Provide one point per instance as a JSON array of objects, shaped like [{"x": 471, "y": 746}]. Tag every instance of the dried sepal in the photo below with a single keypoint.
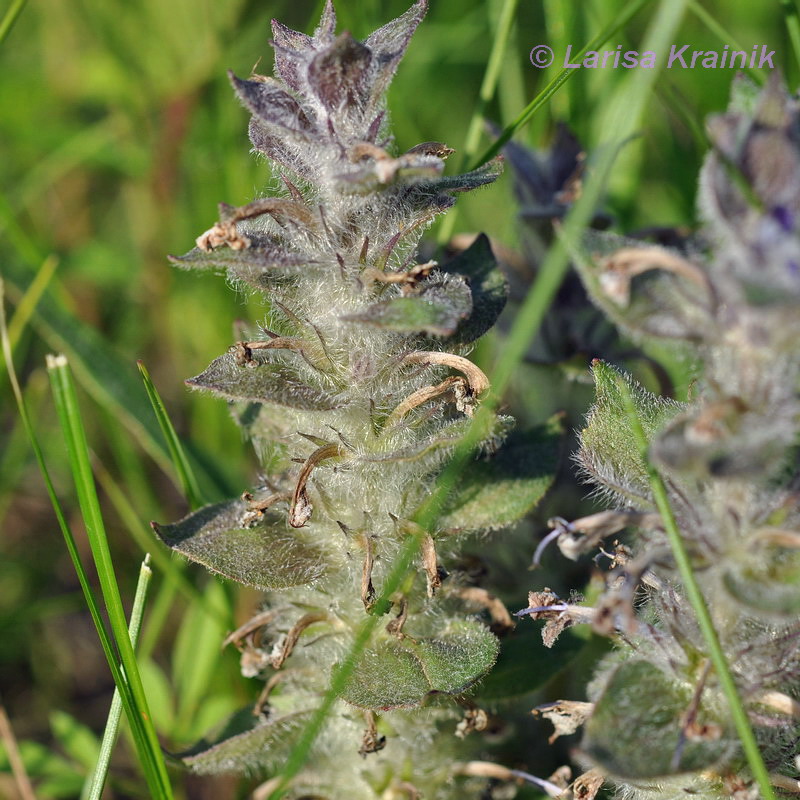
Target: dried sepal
[{"x": 567, "y": 716}]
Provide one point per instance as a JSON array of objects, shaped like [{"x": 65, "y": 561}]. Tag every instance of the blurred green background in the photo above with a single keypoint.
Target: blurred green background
[{"x": 119, "y": 135}]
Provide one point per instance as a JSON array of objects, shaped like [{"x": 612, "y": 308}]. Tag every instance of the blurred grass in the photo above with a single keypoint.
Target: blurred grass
[{"x": 119, "y": 137}]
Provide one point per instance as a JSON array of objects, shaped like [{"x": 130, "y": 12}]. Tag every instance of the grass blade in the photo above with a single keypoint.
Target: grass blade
[
  {"x": 758, "y": 75},
  {"x": 30, "y": 299},
  {"x": 181, "y": 463},
  {"x": 695, "y": 595},
  {"x": 97, "y": 366},
  {"x": 792, "y": 19},
  {"x": 142, "y": 534},
  {"x": 98, "y": 777},
  {"x": 72, "y": 548},
  {"x": 10, "y": 18},
  {"x": 595, "y": 44},
  {"x": 75, "y": 438},
  {"x": 488, "y": 86}
]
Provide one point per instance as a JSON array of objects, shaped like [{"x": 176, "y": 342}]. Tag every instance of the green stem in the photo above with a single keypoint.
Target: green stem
[
  {"x": 697, "y": 600},
  {"x": 98, "y": 777}
]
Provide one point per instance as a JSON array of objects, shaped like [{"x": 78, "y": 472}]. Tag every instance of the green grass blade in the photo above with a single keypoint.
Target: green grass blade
[
  {"x": 69, "y": 539},
  {"x": 142, "y": 534},
  {"x": 10, "y": 17},
  {"x": 100, "y": 370},
  {"x": 181, "y": 463},
  {"x": 695, "y": 595},
  {"x": 792, "y": 19},
  {"x": 488, "y": 86},
  {"x": 758, "y": 75},
  {"x": 30, "y": 299},
  {"x": 97, "y": 780},
  {"x": 624, "y": 17},
  {"x": 66, "y": 403}
]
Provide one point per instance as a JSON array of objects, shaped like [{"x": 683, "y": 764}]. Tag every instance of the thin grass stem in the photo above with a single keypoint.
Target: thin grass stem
[
  {"x": 792, "y": 20},
  {"x": 697, "y": 600},
  {"x": 10, "y": 17},
  {"x": 758, "y": 75},
  {"x": 524, "y": 117},
  {"x": 72, "y": 549},
  {"x": 100, "y": 773},
  {"x": 66, "y": 403},
  {"x": 485, "y": 95},
  {"x": 183, "y": 468}
]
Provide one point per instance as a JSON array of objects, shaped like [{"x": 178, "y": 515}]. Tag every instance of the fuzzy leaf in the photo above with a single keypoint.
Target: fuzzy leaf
[
  {"x": 339, "y": 74},
  {"x": 498, "y": 491},
  {"x": 487, "y": 285},
  {"x": 641, "y": 705},
  {"x": 401, "y": 673},
  {"x": 487, "y": 173},
  {"x": 266, "y": 140},
  {"x": 771, "y": 587},
  {"x": 261, "y": 382},
  {"x": 445, "y": 437},
  {"x": 388, "y": 45},
  {"x": 267, "y": 555},
  {"x": 639, "y": 295},
  {"x": 437, "y": 309},
  {"x": 257, "y": 265},
  {"x": 290, "y": 44},
  {"x": 270, "y": 104},
  {"x": 246, "y": 743},
  {"x": 609, "y": 450}
]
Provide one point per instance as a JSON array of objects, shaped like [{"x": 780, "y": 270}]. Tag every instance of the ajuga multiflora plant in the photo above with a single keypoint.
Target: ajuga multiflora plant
[
  {"x": 659, "y": 724},
  {"x": 354, "y": 391}
]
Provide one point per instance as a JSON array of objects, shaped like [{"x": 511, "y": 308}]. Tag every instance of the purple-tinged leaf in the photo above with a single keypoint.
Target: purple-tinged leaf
[
  {"x": 339, "y": 75},
  {"x": 268, "y": 102},
  {"x": 485, "y": 174},
  {"x": 292, "y": 49},
  {"x": 257, "y": 265}
]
